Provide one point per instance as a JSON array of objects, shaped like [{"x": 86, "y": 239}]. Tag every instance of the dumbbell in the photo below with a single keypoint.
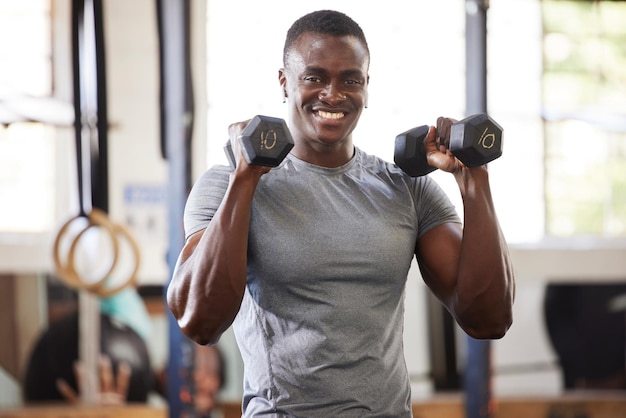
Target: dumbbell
[
  {"x": 475, "y": 141},
  {"x": 266, "y": 141}
]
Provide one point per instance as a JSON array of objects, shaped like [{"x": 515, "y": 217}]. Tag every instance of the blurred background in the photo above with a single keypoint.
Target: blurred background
[{"x": 556, "y": 83}]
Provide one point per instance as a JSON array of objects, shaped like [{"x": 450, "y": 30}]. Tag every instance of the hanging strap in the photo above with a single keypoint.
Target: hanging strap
[
  {"x": 90, "y": 103},
  {"x": 100, "y": 158},
  {"x": 77, "y": 36}
]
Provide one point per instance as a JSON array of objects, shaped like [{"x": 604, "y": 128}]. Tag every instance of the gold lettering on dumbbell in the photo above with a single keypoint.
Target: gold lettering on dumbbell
[
  {"x": 487, "y": 140},
  {"x": 268, "y": 139}
]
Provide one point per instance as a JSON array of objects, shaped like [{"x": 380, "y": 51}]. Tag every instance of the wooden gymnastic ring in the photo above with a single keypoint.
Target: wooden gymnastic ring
[
  {"x": 59, "y": 265},
  {"x": 102, "y": 290},
  {"x": 96, "y": 218},
  {"x": 66, "y": 270}
]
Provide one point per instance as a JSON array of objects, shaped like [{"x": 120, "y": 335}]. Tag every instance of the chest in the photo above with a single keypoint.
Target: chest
[{"x": 332, "y": 229}]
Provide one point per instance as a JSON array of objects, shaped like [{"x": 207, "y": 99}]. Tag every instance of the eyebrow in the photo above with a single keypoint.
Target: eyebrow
[{"x": 344, "y": 73}]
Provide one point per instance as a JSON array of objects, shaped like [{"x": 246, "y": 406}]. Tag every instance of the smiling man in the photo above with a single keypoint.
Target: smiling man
[{"x": 308, "y": 260}]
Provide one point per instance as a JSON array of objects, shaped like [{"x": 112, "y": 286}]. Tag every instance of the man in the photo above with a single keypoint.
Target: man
[{"x": 310, "y": 259}]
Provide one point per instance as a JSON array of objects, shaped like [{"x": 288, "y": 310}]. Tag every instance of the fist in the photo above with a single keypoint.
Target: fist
[{"x": 437, "y": 145}]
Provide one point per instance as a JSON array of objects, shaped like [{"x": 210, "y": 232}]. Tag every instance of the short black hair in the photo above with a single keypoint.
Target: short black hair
[{"x": 328, "y": 22}]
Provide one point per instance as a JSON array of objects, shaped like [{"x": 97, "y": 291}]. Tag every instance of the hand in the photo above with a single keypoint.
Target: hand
[
  {"x": 111, "y": 392},
  {"x": 437, "y": 145},
  {"x": 234, "y": 133}
]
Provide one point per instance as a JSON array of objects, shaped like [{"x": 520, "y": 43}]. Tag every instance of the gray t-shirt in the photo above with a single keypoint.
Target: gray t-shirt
[{"x": 320, "y": 328}]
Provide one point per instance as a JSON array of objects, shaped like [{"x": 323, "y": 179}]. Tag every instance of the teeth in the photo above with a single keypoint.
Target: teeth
[{"x": 330, "y": 115}]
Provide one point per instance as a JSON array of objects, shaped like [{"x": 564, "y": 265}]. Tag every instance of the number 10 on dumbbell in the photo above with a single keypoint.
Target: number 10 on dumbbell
[{"x": 266, "y": 141}]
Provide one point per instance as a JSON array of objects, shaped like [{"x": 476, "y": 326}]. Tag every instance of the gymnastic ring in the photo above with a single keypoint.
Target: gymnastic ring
[
  {"x": 102, "y": 290},
  {"x": 100, "y": 219},
  {"x": 96, "y": 218}
]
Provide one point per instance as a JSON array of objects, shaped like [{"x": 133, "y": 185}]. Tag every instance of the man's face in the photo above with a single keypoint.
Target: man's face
[{"x": 325, "y": 80}]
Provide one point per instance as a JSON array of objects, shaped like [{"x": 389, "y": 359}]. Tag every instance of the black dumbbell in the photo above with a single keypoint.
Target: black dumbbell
[
  {"x": 266, "y": 141},
  {"x": 475, "y": 141}
]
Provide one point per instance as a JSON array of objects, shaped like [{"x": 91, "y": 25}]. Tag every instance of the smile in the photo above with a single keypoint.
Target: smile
[{"x": 331, "y": 115}]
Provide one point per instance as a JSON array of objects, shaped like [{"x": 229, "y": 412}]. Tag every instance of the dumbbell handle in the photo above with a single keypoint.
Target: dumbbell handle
[{"x": 228, "y": 150}]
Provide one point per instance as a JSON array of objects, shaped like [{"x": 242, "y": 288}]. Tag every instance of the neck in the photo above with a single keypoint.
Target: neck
[{"x": 323, "y": 155}]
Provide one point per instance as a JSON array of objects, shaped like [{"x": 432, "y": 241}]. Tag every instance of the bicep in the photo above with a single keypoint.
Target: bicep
[{"x": 438, "y": 252}]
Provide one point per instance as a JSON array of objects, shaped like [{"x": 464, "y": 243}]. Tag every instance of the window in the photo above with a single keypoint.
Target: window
[
  {"x": 27, "y": 181},
  {"x": 584, "y": 85}
]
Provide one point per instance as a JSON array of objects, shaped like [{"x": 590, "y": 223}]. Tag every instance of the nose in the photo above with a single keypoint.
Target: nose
[{"x": 332, "y": 94}]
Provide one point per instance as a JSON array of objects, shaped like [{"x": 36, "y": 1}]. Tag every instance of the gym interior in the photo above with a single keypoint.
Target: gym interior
[{"x": 167, "y": 77}]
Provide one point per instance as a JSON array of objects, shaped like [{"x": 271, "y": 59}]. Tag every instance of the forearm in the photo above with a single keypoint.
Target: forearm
[
  {"x": 209, "y": 280},
  {"x": 485, "y": 282}
]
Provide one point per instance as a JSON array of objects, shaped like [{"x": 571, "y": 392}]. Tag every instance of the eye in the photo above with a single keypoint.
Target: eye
[
  {"x": 353, "y": 82},
  {"x": 312, "y": 79}
]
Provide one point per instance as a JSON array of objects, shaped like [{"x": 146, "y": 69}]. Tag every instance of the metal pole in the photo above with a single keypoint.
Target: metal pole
[
  {"x": 476, "y": 56},
  {"x": 477, "y": 379},
  {"x": 176, "y": 127}
]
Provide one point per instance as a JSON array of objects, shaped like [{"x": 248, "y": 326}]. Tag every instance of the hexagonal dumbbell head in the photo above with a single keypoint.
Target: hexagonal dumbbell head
[
  {"x": 266, "y": 141},
  {"x": 410, "y": 153},
  {"x": 476, "y": 140}
]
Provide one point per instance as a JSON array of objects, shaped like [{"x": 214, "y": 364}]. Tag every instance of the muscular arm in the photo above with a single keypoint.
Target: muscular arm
[
  {"x": 209, "y": 279},
  {"x": 469, "y": 268}
]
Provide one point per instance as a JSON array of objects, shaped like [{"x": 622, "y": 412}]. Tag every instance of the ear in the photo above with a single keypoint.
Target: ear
[
  {"x": 282, "y": 79},
  {"x": 367, "y": 91}
]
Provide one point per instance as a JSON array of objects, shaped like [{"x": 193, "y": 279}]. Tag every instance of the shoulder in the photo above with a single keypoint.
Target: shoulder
[
  {"x": 384, "y": 169},
  {"x": 427, "y": 195},
  {"x": 215, "y": 175},
  {"x": 205, "y": 197},
  {"x": 211, "y": 184}
]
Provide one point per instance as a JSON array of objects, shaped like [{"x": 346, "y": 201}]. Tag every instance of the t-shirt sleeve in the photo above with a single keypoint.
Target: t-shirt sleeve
[
  {"x": 204, "y": 199},
  {"x": 434, "y": 206}
]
